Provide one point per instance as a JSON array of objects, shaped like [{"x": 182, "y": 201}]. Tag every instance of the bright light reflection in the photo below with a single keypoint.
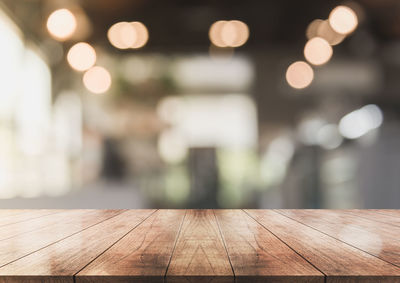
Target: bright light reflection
[
  {"x": 81, "y": 56},
  {"x": 122, "y": 35},
  {"x": 361, "y": 121},
  {"x": 61, "y": 24},
  {"x": 299, "y": 75},
  {"x": 97, "y": 80},
  {"x": 125, "y": 35},
  {"x": 317, "y": 51},
  {"x": 364, "y": 239},
  {"x": 329, "y": 34},
  {"x": 321, "y": 28},
  {"x": 229, "y": 33},
  {"x": 142, "y": 35},
  {"x": 343, "y": 20}
]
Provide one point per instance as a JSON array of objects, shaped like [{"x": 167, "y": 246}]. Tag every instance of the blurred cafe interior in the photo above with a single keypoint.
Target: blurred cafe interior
[{"x": 199, "y": 104}]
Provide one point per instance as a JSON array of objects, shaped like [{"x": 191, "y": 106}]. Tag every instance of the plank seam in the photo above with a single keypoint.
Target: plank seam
[
  {"x": 35, "y": 229},
  {"x": 323, "y": 273},
  {"x": 96, "y": 257},
  {"x": 338, "y": 239},
  {"x": 35, "y": 217},
  {"x": 354, "y": 214},
  {"x": 60, "y": 240},
  {"x": 173, "y": 249},
  {"x": 223, "y": 241}
]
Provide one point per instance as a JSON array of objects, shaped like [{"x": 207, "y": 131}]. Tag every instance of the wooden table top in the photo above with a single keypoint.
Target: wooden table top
[{"x": 199, "y": 246}]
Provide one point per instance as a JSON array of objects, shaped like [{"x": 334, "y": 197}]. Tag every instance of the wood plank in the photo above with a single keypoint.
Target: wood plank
[
  {"x": 36, "y": 223},
  {"x": 375, "y": 216},
  {"x": 337, "y": 260},
  {"x": 199, "y": 255},
  {"x": 65, "y": 258},
  {"x": 142, "y": 255},
  {"x": 376, "y": 238},
  {"x": 393, "y": 212},
  {"x": 26, "y": 215},
  {"x": 257, "y": 255},
  {"x": 24, "y": 244},
  {"x": 8, "y": 212}
]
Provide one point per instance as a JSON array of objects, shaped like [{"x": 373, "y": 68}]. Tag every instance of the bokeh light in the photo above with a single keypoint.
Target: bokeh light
[
  {"x": 97, "y": 80},
  {"x": 81, "y": 56},
  {"x": 317, "y": 51},
  {"x": 313, "y": 27},
  {"x": 121, "y": 35},
  {"x": 329, "y": 136},
  {"x": 142, "y": 35},
  {"x": 229, "y": 33},
  {"x": 321, "y": 28},
  {"x": 343, "y": 19},
  {"x": 172, "y": 146},
  {"x": 124, "y": 35},
  {"x": 61, "y": 24},
  {"x": 299, "y": 75},
  {"x": 215, "y": 33},
  {"x": 361, "y": 121}
]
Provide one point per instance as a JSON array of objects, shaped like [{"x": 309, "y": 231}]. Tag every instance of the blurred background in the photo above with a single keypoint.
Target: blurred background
[{"x": 199, "y": 104}]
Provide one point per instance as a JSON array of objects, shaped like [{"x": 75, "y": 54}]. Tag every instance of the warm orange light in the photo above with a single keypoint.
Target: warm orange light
[
  {"x": 215, "y": 33},
  {"x": 61, "y": 24},
  {"x": 142, "y": 35},
  {"x": 321, "y": 28},
  {"x": 343, "y": 20},
  {"x": 121, "y": 35},
  {"x": 299, "y": 75},
  {"x": 81, "y": 56},
  {"x": 329, "y": 34},
  {"x": 97, "y": 80},
  {"x": 313, "y": 27},
  {"x": 317, "y": 51},
  {"x": 229, "y": 33},
  {"x": 125, "y": 35}
]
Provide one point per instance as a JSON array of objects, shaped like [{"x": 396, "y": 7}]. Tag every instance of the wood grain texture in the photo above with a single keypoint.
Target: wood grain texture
[
  {"x": 24, "y": 244},
  {"x": 143, "y": 254},
  {"x": 256, "y": 254},
  {"x": 375, "y": 216},
  {"x": 26, "y": 216},
  {"x": 199, "y": 246},
  {"x": 8, "y": 212},
  {"x": 393, "y": 212},
  {"x": 62, "y": 260},
  {"x": 377, "y": 238},
  {"x": 200, "y": 253},
  {"x": 337, "y": 260},
  {"x": 39, "y": 223}
]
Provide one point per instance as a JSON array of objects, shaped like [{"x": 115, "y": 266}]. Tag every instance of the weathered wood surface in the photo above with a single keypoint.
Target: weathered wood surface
[{"x": 199, "y": 246}]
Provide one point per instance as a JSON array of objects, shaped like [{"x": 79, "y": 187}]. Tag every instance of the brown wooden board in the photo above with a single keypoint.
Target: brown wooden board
[
  {"x": 200, "y": 253},
  {"x": 379, "y": 239},
  {"x": 142, "y": 255},
  {"x": 23, "y": 244},
  {"x": 62, "y": 260},
  {"x": 339, "y": 261},
  {"x": 256, "y": 254}
]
